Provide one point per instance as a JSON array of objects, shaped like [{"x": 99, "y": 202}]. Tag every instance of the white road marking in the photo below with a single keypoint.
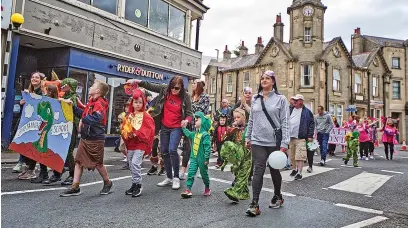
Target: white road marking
[
  {"x": 389, "y": 171},
  {"x": 316, "y": 170},
  {"x": 226, "y": 169},
  {"x": 350, "y": 166},
  {"x": 362, "y": 209},
  {"x": 363, "y": 183},
  {"x": 367, "y": 222},
  {"x": 263, "y": 189},
  {"x": 62, "y": 188}
]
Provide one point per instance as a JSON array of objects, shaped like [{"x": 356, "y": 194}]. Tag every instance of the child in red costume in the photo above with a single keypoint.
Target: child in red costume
[{"x": 138, "y": 133}]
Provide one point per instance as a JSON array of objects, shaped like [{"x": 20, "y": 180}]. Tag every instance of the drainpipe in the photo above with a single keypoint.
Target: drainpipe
[
  {"x": 326, "y": 78},
  {"x": 351, "y": 75},
  {"x": 222, "y": 87},
  {"x": 384, "y": 94},
  {"x": 197, "y": 39},
  {"x": 369, "y": 95},
  {"x": 236, "y": 87}
]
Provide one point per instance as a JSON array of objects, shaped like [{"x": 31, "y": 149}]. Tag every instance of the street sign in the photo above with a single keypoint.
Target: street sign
[{"x": 351, "y": 108}]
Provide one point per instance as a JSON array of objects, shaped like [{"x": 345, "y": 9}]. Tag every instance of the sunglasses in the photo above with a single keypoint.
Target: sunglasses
[{"x": 175, "y": 88}]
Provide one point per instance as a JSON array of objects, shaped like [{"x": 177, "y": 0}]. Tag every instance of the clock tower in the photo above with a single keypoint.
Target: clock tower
[{"x": 306, "y": 24}]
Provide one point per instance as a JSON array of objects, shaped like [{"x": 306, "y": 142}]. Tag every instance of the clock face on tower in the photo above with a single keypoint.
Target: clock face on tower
[{"x": 308, "y": 11}]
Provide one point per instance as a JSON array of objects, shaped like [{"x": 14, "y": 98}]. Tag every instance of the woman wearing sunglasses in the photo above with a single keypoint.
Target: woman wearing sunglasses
[{"x": 173, "y": 110}]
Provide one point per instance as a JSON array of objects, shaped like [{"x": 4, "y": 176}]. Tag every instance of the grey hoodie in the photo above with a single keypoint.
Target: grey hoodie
[{"x": 260, "y": 131}]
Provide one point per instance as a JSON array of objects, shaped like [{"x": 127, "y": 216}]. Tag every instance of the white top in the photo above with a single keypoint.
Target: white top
[{"x": 294, "y": 122}]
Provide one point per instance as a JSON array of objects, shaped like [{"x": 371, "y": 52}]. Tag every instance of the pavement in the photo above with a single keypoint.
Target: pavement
[{"x": 335, "y": 195}]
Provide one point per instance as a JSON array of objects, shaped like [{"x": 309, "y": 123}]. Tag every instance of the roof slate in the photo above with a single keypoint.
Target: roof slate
[
  {"x": 385, "y": 41},
  {"x": 360, "y": 60}
]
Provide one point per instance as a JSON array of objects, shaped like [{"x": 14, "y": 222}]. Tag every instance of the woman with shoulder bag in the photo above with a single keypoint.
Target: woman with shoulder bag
[{"x": 268, "y": 131}]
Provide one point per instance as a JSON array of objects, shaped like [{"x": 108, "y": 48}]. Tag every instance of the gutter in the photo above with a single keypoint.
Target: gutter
[
  {"x": 326, "y": 75},
  {"x": 236, "y": 87}
]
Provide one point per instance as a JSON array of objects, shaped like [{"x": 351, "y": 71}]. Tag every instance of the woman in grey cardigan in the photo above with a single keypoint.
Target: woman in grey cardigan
[{"x": 262, "y": 137}]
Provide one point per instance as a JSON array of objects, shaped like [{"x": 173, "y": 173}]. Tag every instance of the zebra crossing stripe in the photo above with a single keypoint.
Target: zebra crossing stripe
[{"x": 364, "y": 183}]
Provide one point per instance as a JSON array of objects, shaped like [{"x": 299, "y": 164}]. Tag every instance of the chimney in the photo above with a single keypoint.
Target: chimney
[
  {"x": 227, "y": 53},
  {"x": 278, "y": 28},
  {"x": 259, "y": 46},
  {"x": 243, "y": 50},
  {"x": 358, "y": 45}
]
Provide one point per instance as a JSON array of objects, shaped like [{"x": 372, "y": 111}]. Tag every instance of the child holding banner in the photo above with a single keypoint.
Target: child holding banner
[
  {"x": 137, "y": 131},
  {"x": 91, "y": 146}
]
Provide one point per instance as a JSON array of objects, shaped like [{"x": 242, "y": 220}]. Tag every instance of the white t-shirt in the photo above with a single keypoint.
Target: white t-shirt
[{"x": 294, "y": 122}]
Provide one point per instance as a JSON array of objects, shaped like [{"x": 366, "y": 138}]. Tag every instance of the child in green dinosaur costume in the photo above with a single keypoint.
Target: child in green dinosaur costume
[
  {"x": 234, "y": 151},
  {"x": 200, "y": 153},
  {"x": 68, "y": 87},
  {"x": 352, "y": 147}
]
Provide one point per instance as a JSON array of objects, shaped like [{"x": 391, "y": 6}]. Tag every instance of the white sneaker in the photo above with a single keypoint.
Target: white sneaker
[
  {"x": 309, "y": 170},
  {"x": 366, "y": 158},
  {"x": 18, "y": 168},
  {"x": 182, "y": 176},
  {"x": 176, "y": 183},
  {"x": 372, "y": 157},
  {"x": 166, "y": 182}
]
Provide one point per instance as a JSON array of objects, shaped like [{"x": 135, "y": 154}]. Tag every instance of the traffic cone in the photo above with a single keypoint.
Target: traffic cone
[{"x": 404, "y": 145}]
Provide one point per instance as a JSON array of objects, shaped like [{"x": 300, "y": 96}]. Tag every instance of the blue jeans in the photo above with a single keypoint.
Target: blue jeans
[
  {"x": 323, "y": 139},
  {"x": 169, "y": 141}
]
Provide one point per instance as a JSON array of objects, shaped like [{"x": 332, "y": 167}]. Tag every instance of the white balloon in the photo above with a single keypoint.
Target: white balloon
[{"x": 277, "y": 160}]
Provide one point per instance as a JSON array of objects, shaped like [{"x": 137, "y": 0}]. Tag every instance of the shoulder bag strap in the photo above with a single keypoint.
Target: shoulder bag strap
[{"x": 267, "y": 115}]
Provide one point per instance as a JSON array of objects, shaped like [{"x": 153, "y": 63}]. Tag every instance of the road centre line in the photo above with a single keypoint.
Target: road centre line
[
  {"x": 362, "y": 209},
  {"x": 389, "y": 171},
  {"x": 367, "y": 222}
]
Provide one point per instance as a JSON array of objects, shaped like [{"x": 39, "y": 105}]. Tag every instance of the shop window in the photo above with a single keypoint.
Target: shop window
[
  {"x": 357, "y": 83},
  {"x": 159, "y": 16},
  {"x": 176, "y": 23},
  {"x": 117, "y": 100},
  {"x": 81, "y": 76},
  {"x": 337, "y": 111},
  {"x": 86, "y": 1},
  {"x": 246, "y": 80},
  {"x": 137, "y": 11},
  {"x": 336, "y": 80},
  {"x": 109, "y": 6},
  {"x": 307, "y": 75},
  {"x": 229, "y": 83},
  {"x": 396, "y": 90}
]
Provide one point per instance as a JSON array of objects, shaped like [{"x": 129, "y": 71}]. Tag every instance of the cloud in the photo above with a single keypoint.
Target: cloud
[
  {"x": 28, "y": 111},
  {"x": 227, "y": 22},
  {"x": 35, "y": 96},
  {"x": 56, "y": 115}
]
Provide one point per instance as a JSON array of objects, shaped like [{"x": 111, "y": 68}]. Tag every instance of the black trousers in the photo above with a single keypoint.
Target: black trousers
[
  {"x": 260, "y": 155},
  {"x": 391, "y": 146},
  {"x": 364, "y": 149},
  {"x": 186, "y": 152},
  {"x": 310, "y": 155}
]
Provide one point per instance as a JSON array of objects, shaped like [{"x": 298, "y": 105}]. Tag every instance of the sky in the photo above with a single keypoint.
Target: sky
[{"x": 227, "y": 22}]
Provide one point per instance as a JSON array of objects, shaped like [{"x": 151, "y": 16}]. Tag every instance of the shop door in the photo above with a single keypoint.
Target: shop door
[{"x": 396, "y": 115}]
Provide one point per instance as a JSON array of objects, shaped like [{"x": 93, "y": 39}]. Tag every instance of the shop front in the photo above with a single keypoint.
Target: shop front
[{"x": 85, "y": 67}]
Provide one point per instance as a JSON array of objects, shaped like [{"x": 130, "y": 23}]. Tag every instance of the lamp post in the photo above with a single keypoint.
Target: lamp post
[{"x": 17, "y": 20}]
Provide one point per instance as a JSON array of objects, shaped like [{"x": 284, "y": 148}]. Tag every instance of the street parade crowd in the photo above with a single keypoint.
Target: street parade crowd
[{"x": 244, "y": 135}]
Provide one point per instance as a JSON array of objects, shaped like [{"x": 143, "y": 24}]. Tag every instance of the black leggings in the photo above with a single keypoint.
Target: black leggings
[
  {"x": 364, "y": 149},
  {"x": 310, "y": 155},
  {"x": 391, "y": 145},
  {"x": 260, "y": 156},
  {"x": 371, "y": 148},
  {"x": 186, "y": 151}
]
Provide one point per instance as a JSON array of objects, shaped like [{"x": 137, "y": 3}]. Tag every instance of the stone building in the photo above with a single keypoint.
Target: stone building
[
  {"x": 110, "y": 40},
  {"x": 320, "y": 70}
]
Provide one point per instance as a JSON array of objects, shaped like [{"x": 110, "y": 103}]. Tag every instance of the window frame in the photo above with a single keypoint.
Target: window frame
[
  {"x": 375, "y": 88},
  {"x": 357, "y": 86},
  {"x": 117, "y": 7},
  {"x": 399, "y": 90},
  {"x": 334, "y": 107},
  {"x": 396, "y": 66},
  {"x": 337, "y": 81},
  {"x": 302, "y": 79},
  {"x": 213, "y": 85},
  {"x": 246, "y": 83},
  {"x": 307, "y": 37},
  {"x": 229, "y": 83}
]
